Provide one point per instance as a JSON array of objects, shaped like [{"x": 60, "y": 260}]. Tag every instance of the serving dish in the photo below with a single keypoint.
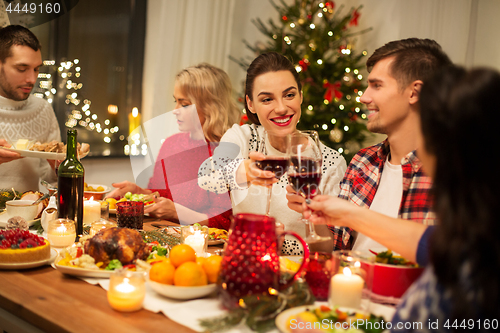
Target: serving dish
[
  {"x": 46, "y": 155},
  {"x": 39, "y": 154},
  {"x": 82, "y": 272},
  {"x": 182, "y": 293},
  {"x": 32, "y": 264},
  {"x": 97, "y": 195},
  {"x": 392, "y": 280},
  {"x": 4, "y": 219},
  {"x": 282, "y": 320}
]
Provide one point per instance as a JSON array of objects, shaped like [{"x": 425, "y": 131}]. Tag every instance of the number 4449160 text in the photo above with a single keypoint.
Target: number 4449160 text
[{"x": 33, "y": 8}]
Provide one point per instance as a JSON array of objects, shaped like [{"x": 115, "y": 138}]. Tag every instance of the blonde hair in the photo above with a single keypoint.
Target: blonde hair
[{"x": 209, "y": 88}]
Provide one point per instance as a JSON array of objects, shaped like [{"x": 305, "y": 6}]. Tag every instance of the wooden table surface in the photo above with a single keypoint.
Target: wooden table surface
[{"x": 54, "y": 302}]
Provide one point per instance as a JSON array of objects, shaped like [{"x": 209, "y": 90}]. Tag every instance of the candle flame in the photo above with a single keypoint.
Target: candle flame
[
  {"x": 266, "y": 257},
  {"x": 357, "y": 264},
  {"x": 91, "y": 198},
  {"x": 347, "y": 271},
  {"x": 135, "y": 112},
  {"x": 61, "y": 229},
  {"x": 125, "y": 286}
]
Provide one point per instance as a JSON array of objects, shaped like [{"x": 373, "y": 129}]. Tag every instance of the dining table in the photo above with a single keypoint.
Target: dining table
[{"x": 44, "y": 300}]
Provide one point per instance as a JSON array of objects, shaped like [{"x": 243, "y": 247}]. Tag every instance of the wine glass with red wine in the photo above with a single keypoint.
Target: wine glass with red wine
[
  {"x": 304, "y": 171},
  {"x": 276, "y": 164}
]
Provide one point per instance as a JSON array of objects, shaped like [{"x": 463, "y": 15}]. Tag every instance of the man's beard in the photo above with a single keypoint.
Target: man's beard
[{"x": 10, "y": 92}]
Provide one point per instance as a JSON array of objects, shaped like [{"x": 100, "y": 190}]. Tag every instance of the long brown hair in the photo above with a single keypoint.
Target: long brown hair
[
  {"x": 456, "y": 110},
  {"x": 264, "y": 63}
]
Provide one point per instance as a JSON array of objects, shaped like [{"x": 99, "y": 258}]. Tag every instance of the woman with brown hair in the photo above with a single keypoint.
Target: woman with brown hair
[{"x": 273, "y": 99}]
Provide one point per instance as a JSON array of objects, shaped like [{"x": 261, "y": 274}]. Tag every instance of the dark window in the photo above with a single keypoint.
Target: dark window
[{"x": 101, "y": 46}]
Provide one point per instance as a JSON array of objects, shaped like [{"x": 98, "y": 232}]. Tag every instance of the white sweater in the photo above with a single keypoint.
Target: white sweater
[
  {"x": 34, "y": 119},
  {"x": 234, "y": 148}
]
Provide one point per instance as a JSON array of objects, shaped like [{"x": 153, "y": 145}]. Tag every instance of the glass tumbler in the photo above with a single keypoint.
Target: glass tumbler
[
  {"x": 130, "y": 214},
  {"x": 196, "y": 237},
  {"x": 350, "y": 284},
  {"x": 126, "y": 290},
  {"x": 61, "y": 232}
]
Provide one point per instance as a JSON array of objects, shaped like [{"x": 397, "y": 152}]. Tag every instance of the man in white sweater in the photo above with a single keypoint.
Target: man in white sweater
[{"x": 22, "y": 115}]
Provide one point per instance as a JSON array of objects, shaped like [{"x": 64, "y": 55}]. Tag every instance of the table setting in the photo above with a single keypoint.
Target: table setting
[{"x": 250, "y": 265}]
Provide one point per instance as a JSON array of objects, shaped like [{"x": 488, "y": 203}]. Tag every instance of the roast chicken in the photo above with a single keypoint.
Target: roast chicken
[{"x": 123, "y": 244}]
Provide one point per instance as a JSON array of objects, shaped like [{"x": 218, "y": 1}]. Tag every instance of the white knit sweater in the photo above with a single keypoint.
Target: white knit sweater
[{"x": 33, "y": 118}]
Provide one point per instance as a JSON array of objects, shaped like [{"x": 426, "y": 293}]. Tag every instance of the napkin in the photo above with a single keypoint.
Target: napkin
[{"x": 188, "y": 313}]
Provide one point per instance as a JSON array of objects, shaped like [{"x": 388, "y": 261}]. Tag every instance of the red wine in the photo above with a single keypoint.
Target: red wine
[
  {"x": 304, "y": 165},
  {"x": 70, "y": 199},
  {"x": 70, "y": 185},
  {"x": 275, "y": 164},
  {"x": 305, "y": 183}
]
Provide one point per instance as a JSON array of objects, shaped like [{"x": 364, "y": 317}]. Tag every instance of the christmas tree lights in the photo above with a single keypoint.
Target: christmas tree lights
[{"x": 319, "y": 39}]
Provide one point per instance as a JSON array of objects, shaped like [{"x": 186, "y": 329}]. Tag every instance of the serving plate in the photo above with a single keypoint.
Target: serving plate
[
  {"x": 38, "y": 154},
  {"x": 182, "y": 293},
  {"x": 42, "y": 154},
  {"x": 32, "y": 264},
  {"x": 282, "y": 322},
  {"x": 4, "y": 218},
  {"x": 97, "y": 195},
  {"x": 215, "y": 242},
  {"x": 210, "y": 241},
  {"x": 75, "y": 271}
]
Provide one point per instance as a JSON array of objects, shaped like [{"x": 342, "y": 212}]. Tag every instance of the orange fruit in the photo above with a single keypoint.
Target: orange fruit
[
  {"x": 162, "y": 272},
  {"x": 182, "y": 253},
  {"x": 190, "y": 274},
  {"x": 200, "y": 260},
  {"x": 211, "y": 266}
]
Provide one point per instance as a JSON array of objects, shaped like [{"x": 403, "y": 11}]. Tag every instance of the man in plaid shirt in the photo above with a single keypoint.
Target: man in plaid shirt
[{"x": 388, "y": 177}]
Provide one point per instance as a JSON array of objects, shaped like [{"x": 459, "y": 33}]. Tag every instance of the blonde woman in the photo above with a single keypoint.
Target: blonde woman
[{"x": 204, "y": 110}]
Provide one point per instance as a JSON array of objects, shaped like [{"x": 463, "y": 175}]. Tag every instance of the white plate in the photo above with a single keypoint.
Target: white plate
[
  {"x": 75, "y": 271},
  {"x": 25, "y": 265},
  {"x": 181, "y": 292},
  {"x": 41, "y": 154},
  {"x": 4, "y": 219},
  {"x": 216, "y": 241}
]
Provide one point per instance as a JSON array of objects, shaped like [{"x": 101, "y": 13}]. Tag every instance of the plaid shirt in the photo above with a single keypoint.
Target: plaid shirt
[{"x": 361, "y": 181}]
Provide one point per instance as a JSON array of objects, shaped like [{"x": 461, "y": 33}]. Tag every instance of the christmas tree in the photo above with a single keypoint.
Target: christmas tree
[{"x": 318, "y": 38}]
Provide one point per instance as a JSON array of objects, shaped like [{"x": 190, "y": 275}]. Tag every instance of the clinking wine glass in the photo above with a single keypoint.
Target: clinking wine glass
[
  {"x": 276, "y": 164},
  {"x": 304, "y": 171}
]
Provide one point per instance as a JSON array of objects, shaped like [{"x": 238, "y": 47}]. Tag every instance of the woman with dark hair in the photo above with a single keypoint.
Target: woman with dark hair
[
  {"x": 273, "y": 100},
  {"x": 461, "y": 287}
]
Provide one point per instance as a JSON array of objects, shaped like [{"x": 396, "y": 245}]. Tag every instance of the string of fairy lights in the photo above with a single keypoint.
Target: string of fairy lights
[{"x": 81, "y": 113}]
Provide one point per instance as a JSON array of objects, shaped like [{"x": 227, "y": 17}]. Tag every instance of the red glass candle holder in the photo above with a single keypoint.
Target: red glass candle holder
[
  {"x": 130, "y": 214},
  {"x": 318, "y": 274}
]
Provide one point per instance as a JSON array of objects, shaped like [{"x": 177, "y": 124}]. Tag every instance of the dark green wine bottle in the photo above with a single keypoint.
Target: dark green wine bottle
[{"x": 70, "y": 185}]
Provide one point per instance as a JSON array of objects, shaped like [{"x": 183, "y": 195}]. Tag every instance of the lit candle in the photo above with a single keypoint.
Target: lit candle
[
  {"x": 346, "y": 289},
  {"x": 91, "y": 211},
  {"x": 99, "y": 225},
  {"x": 126, "y": 293},
  {"x": 134, "y": 120},
  {"x": 197, "y": 242},
  {"x": 61, "y": 232}
]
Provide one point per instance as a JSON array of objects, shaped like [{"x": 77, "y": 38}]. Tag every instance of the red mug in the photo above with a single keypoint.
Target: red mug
[{"x": 250, "y": 264}]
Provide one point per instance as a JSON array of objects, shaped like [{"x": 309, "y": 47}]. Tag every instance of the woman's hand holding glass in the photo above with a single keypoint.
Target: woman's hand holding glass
[{"x": 271, "y": 166}]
